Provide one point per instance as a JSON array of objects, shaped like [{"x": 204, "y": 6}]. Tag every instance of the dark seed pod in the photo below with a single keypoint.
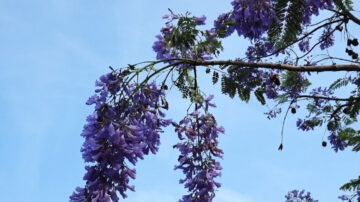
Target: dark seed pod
[
  {"x": 349, "y": 42},
  {"x": 351, "y": 52},
  {"x": 346, "y": 110},
  {"x": 165, "y": 87},
  {"x": 324, "y": 143},
  {"x": 339, "y": 27},
  {"x": 275, "y": 78},
  {"x": 280, "y": 147},
  {"x": 277, "y": 82},
  {"x": 347, "y": 51},
  {"x": 355, "y": 56},
  {"x": 293, "y": 110},
  {"x": 355, "y": 42}
]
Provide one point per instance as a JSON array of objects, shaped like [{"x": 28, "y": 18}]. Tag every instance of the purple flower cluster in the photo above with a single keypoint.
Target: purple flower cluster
[
  {"x": 304, "y": 45},
  {"x": 261, "y": 48},
  {"x": 124, "y": 127},
  {"x": 299, "y": 196},
  {"x": 199, "y": 146},
  {"x": 312, "y": 7},
  {"x": 320, "y": 91},
  {"x": 302, "y": 125},
  {"x": 327, "y": 38},
  {"x": 351, "y": 198},
  {"x": 166, "y": 50},
  {"x": 252, "y": 18},
  {"x": 337, "y": 142},
  {"x": 298, "y": 87},
  {"x": 225, "y": 24}
]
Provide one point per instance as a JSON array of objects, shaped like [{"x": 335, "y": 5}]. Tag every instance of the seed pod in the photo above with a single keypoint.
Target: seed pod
[
  {"x": 346, "y": 110},
  {"x": 280, "y": 147},
  {"x": 207, "y": 70},
  {"x": 293, "y": 110},
  {"x": 349, "y": 42},
  {"x": 324, "y": 143},
  {"x": 351, "y": 52},
  {"x": 339, "y": 27},
  {"x": 355, "y": 56},
  {"x": 165, "y": 87},
  {"x": 355, "y": 42},
  {"x": 275, "y": 78}
]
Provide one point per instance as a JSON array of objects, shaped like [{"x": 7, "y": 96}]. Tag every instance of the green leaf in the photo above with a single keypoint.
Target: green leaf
[
  {"x": 290, "y": 14},
  {"x": 215, "y": 77},
  {"x": 344, "y": 5},
  {"x": 339, "y": 83},
  {"x": 352, "y": 185},
  {"x": 244, "y": 93},
  {"x": 259, "y": 94}
]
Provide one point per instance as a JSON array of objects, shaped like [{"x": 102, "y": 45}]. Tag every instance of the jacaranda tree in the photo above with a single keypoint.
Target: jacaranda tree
[{"x": 129, "y": 102}]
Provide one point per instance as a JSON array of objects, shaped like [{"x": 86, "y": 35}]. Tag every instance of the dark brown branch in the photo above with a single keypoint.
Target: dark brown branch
[
  {"x": 347, "y": 14},
  {"x": 328, "y": 98},
  {"x": 269, "y": 65}
]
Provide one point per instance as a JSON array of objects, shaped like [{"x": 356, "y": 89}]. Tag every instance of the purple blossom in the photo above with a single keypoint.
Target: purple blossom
[
  {"x": 304, "y": 45},
  {"x": 353, "y": 198},
  {"x": 165, "y": 49},
  {"x": 299, "y": 196},
  {"x": 259, "y": 49},
  {"x": 199, "y": 133},
  {"x": 120, "y": 131},
  {"x": 327, "y": 38},
  {"x": 225, "y": 23},
  {"x": 253, "y": 18},
  {"x": 312, "y": 7},
  {"x": 337, "y": 142},
  {"x": 302, "y": 125},
  {"x": 200, "y": 20}
]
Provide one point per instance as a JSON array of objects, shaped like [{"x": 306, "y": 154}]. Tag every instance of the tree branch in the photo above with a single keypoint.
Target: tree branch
[
  {"x": 329, "y": 98},
  {"x": 269, "y": 65}
]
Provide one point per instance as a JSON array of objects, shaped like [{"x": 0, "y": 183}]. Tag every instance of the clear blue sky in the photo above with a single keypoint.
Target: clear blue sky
[{"x": 51, "y": 53}]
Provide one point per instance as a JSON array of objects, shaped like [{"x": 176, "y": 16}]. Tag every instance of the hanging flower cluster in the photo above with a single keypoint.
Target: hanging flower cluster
[
  {"x": 124, "y": 127},
  {"x": 198, "y": 133}
]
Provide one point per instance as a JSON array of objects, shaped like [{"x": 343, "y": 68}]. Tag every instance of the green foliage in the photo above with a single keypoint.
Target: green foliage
[
  {"x": 184, "y": 35},
  {"x": 341, "y": 82},
  {"x": 184, "y": 82},
  {"x": 290, "y": 14},
  {"x": 244, "y": 93},
  {"x": 314, "y": 122},
  {"x": 215, "y": 77},
  {"x": 234, "y": 84},
  {"x": 344, "y": 5},
  {"x": 352, "y": 185},
  {"x": 352, "y": 137},
  {"x": 210, "y": 46},
  {"x": 222, "y": 31},
  {"x": 291, "y": 79}
]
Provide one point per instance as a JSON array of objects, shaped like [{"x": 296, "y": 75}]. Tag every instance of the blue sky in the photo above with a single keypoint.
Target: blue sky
[{"x": 51, "y": 53}]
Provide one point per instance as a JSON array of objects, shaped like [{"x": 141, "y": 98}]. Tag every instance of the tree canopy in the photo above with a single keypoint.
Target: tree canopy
[{"x": 130, "y": 102}]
